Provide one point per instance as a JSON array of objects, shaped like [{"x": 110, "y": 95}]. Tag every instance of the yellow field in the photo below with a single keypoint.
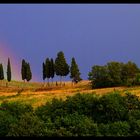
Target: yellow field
[{"x": 38, "y": 94}]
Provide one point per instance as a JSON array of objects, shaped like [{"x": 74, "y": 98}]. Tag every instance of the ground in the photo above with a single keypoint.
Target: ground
[{"x": 38, "y": 94}]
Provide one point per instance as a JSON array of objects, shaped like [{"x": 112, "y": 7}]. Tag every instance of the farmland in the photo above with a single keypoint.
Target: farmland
[{"x": 37, "y": 94}]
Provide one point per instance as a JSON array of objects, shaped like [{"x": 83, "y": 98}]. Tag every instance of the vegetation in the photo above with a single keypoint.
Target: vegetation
[
  {"x": 8, "y": 71},
  {"x": 115, "y": 74},
  {"x": 26, "y": 71},
  {"x": 1, "y": 72},
  {"x": 74, "y": 71},
  {"x": 61, "y": 66},
  {"x": 79, "y": 115}
]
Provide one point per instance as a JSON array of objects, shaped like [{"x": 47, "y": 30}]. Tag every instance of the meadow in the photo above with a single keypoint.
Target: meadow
[{"x": 37, "y": 94}]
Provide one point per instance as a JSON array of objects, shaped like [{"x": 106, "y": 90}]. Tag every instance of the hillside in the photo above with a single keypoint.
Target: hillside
[{"x": 37, "y": 94}]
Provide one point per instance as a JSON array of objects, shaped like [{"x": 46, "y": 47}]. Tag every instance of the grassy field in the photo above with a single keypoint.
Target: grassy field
[{"x": 38, "y": 94}]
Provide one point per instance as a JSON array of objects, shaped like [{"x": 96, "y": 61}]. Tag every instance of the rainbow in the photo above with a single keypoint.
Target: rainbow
[{"x": 5, "y": 52}]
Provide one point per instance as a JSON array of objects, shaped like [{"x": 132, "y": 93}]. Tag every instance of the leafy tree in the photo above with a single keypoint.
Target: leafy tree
[
  {"x": 129, "y": 73},
  {"x": 114, "y": 74},
  {"x": 1, "y": 72},
  {"x": 52, "y": 70},
  {"x": 28, "y": 72},
  {"x": 61, "y": 67},
  {"x": 23, "y": 70},
  {"x": 100, "y": 76},
  {"x": 74, "y": 70},
  {"x": 114, "y": 70},
  {"x": 9, "y": 71}
]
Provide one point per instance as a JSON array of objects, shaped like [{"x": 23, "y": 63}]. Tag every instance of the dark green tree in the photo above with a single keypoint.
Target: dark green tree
[
  {"x": 28, "y": 72},
  {"x": 1, "y": 72},
  {"x": 74, "y": 71},
  {"x": 129, "y": 73},
  {"x": 114, "y": 69},
  {"x": 44, "y": 71},
  {"x": 47, "y": 66},
  {"x": 23, "y": 70},
  {"x": 61, "y": 66},
  {"x": 9, "y": 71},
  {"x": 100, "y": 77},
  {"x": 52, "y": 70}
]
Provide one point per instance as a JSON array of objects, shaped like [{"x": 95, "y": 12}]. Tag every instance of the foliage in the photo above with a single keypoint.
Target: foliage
[
  {"x": 61, "y": 66},
  {"x": 119, "y": 128},
  {"x": 16, "y": 109},
  {"x": 79, "y": 115},
  {"x": 114, "y": 74},
  {"x": 1, "y": 72},
  {"x": 44, "y": 71},
  {"x": 28, "y": 125},
  {"x": 23, "y": 69},
  {"x": 6, "y": 119},
  {"x": 26, "y": 71},
  {"x": 52, "y": 68},
  {"x": 74, "y": 70},
  {"x": 8, "y": 71}
]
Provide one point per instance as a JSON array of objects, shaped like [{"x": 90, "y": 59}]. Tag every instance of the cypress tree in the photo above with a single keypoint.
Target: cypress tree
[
  {"x": 47, "y": 66},
  {"x": 44, "y": 71},
  {"x": 74, "y": 71},
  {"x": 61, "y": 67},
  {"x": 28, "y": 72},
  {"x": 23, "y": 70},
  {"x": 9, "y": 71},
  {"x": 52, "y": 71},
  {"x": 1, "y": 72}
]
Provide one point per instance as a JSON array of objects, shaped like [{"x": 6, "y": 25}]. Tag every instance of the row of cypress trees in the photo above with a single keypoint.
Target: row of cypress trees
[
  {"x": 50, "y": 68},
  {"x": 60, "y": 68}
]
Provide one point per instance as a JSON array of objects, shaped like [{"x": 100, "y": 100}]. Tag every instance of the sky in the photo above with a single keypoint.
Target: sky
[{"x": 92, "y": 33}]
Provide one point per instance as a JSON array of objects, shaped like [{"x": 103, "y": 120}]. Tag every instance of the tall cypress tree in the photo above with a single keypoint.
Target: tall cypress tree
[
  {"x": 1, "y": 72},
  {"x": 61, "y": 66},
  {"x": 23, "y": 70},
  {"x": 74, "y": 71},
  {"x": 47, "y": 66},
  {"x": 28, "y": 72},
  {"x": 9, "y": 71},
  {"x": 44, "y": 71},
  {"x": 52, "y": 71}
]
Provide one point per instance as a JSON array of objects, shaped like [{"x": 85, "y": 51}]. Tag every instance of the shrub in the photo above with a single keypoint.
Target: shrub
[
  {"x": 5, "y": 120},
  {"x": 16, "y": 109},
  {"x": 75, "y": 125},
  {"x": 110, "y": 108},
  {"x": 28, "y": 125}
]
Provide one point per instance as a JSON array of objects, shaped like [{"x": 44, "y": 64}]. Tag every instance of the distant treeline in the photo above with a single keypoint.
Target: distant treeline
[
  {"x": 115, "y": 74},
  {"x": 50, "y": 68}
]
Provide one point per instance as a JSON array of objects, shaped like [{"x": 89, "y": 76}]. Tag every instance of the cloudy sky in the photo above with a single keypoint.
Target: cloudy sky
[{"x": 92, "y": 33}]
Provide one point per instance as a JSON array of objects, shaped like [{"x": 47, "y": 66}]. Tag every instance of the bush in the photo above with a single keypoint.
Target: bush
[
  {"x": 5, "y": 120},
  {"x": 75, "y": 125},
  {"x": 16, "y": 109},
  {"x": 28, "y": 125},
  {"x": 81, "y": 103},
  {"x": 110, "y": 108},
  {"x": 51, "y": 109}
]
